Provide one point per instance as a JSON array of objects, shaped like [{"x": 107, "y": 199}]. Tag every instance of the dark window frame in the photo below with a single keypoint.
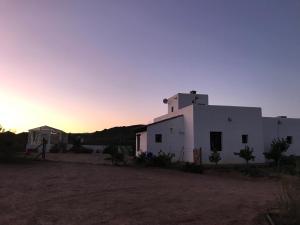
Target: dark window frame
[
  {"x": 245, "y": 138},
  {"x": 216, "y": 140},
  {"x": 158, "y": 138}
]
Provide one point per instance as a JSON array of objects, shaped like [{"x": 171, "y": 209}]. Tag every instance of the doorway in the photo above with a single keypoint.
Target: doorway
[{"x": 216, "y": 141}]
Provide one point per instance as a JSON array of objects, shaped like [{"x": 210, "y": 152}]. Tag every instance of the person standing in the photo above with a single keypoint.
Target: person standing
[{"x": 44, "y": 142}]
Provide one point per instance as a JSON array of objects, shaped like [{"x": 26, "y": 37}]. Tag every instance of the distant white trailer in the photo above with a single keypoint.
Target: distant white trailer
[{"x": 53, "y": 136}]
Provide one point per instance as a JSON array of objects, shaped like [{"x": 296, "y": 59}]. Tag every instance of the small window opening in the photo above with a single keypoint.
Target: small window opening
[
  {"x": 216, "y": 141},
  {"x": 245, "y": 139},
  {"x": 158, "y": 138}
]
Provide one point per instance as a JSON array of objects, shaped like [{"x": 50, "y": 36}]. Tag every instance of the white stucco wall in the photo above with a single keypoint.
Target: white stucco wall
[
  {"x": 182, "y": 100},
  {"x": 199, "y": 119},
  {"x": 188, "y": 119},
  {"x": 172, "y": 132},
  {"x": 143, "y": 143},
  {"x": 286, "y": 127},
  {"x": 244, "y": 120}
]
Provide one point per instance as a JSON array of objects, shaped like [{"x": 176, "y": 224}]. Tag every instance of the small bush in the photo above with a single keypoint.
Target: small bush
[
  {"x": 60, "y": 147},
  {"x": 278, "y": 147},
  {"x": 8, "y": 151},
  {"x": 149, "y": 159},
  {"x": 215, "y": 157},
  {"x": 116, "y": 156},
  {"x": 163, "y": 159},
  {"x": 141, "y": 158},
  {"x": 247, "y": 155}
]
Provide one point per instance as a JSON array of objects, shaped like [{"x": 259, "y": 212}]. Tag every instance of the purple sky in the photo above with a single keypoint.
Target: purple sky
[{"x": 90, "y": 65}]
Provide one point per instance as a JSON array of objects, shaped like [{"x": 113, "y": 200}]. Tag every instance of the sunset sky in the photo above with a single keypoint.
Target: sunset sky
[{"x": 93, "y": 64}]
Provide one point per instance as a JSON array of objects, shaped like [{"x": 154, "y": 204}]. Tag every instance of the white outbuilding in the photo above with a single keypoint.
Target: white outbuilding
[
  {"x": 192, "y": 124},
  {"x": 53, "y": 136}
]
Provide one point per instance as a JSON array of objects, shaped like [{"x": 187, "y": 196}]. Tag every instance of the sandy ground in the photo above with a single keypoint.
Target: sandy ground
[
  {"x": 62, "y": 193},
  {"x": 95, "y": 158}
]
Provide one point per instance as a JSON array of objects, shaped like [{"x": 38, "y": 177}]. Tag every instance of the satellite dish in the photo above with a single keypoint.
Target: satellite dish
[{"x": 165, "y": 101}]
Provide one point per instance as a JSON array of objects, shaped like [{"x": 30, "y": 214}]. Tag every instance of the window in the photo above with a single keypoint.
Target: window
[
  {"x": 245, "y": 138},
  {"x": 172, "y": 109},
  {"x": 289, "y": 139},
  {"x": 158, "y": 138},
  {"x": 216, "y": 141}
]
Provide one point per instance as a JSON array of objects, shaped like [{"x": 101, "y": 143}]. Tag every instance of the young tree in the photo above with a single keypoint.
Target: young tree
[
  {"x": 215, "y": 157},
  {"x": 278, "y": 147},
  {"x": 116, "y": 156},
  {"x": 247, "y": 154}
]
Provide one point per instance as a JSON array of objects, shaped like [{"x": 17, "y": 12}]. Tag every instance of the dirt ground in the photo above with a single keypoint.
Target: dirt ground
[{"x": 60, "y": 193}]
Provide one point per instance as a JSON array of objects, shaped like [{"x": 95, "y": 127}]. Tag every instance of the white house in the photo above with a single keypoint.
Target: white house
[
  {"x": 52, "y": 135},
  {"x": 191, "y": 123}
]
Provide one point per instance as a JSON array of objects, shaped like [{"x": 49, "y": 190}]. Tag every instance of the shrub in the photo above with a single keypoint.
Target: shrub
[
  {"x": 8, "y": 151},
  {"x": 149, "y": 159},
  {"x": 141, "y": 158},
  {"x": 278, "y": 147},
  {"x": 116, "y": 156},
  {"x": 163, "y": 159},
  {"x": 60, "y": 147},
  {"x": 246, "y": 154},
  {"x": 215, "y": 157}
]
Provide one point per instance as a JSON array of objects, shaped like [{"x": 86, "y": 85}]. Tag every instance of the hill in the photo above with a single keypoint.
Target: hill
[
  {"x": 124, "y": 135},
  {"x": 18, "y": 141}
]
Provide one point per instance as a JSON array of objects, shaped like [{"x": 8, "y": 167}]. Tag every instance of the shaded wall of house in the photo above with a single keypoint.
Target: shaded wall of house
[
  {"x": 287, "y": 128},
  {"x": 141, "y": 143},
  {"x": 232, "y": 122},
  {"x": 167, "y": 136}
]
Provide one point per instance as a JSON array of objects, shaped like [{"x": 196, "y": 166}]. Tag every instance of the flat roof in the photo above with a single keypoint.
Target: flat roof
[
  {"x": 143, "y": 129},
  {"x": 46, "y": 128}
]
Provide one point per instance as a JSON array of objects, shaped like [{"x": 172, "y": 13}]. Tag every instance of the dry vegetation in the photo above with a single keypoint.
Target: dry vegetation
[{"x": 287, "y": 210}]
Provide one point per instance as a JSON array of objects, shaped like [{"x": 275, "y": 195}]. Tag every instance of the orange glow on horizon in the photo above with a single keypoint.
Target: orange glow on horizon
[{"x": 21, "y": 113}]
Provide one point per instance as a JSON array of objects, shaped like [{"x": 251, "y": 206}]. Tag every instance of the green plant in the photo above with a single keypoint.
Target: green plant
[
  {"x": 215, "y": 157},
  {"x": 278, "y": 147},
  {"x": 246, "y": 154},
  {"x": 141, "y": 159},
  {"x": 162, "y": 159},
  {"x": 116, "y": 156},
  {"x": 77, "y": 146}
]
